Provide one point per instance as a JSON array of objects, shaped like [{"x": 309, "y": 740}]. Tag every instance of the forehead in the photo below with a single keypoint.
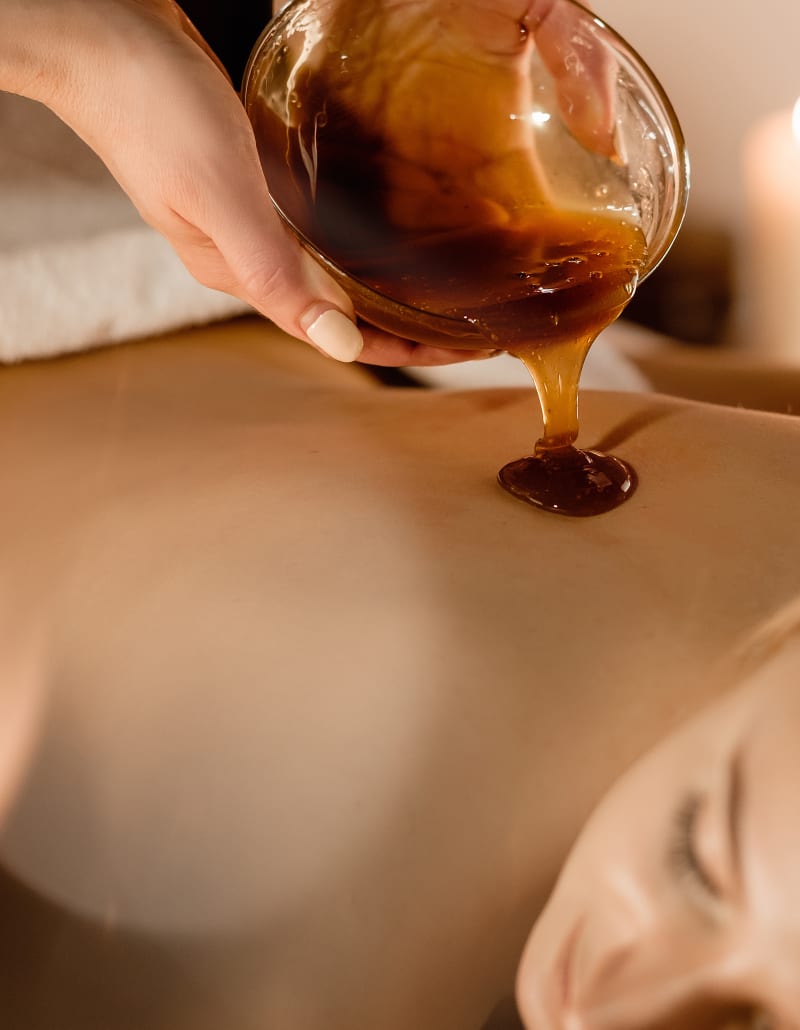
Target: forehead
[
  {"x": 772, "y": 694},
  {"x": 771, "y": 741}
]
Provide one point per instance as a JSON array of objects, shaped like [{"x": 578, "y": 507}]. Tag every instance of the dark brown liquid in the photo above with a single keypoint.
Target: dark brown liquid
[
  {"x": 570, "y": 481},
  {"x": 540, "y": 283}
]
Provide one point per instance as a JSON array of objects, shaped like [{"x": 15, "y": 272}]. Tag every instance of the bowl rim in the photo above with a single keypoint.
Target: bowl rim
[{"x": 680, "y": 164}]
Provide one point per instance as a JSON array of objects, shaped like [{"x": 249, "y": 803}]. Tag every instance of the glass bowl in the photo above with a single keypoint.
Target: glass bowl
[{"x": 476, "y": 179}]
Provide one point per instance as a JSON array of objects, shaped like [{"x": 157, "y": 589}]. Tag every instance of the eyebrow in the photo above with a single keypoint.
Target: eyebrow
[{"x": 735, "y": 810}]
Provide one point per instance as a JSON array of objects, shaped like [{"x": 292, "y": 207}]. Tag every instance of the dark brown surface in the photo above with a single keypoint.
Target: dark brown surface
[
  {"x": 570, "y": 482},
  {"x": 231, "y": 29}
]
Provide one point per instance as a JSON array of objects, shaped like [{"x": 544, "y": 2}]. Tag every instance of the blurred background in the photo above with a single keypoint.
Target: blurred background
[{"x": 727, "y": 65}]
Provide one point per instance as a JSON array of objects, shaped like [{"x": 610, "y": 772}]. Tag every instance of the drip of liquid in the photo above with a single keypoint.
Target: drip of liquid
[
  {"x": 569, "y": 481},
  {"x": 559, "y": 477},
  {"x": 428, "y": 254}
]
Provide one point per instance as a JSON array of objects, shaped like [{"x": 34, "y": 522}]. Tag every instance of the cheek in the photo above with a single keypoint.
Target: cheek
[
  {"x": 621, "y": 851},
  {"x": 619, "y": 835},
  {"x": 570, "y": 905}
]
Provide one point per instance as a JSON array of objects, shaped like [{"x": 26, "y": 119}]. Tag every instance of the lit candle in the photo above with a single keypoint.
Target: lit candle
[{"x": 770, "y": 283}]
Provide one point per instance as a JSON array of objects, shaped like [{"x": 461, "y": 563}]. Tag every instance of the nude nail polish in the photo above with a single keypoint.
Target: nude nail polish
[{"x": 335, "y": 334}]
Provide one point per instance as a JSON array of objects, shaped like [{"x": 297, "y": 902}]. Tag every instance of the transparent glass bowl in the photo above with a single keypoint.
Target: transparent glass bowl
[
  {"x": 476, "y": 181},
  {"x": 373, "y": 127}
]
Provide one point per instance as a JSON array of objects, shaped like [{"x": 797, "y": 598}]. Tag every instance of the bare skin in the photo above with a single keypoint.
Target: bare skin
[{"x": 327, "y": 708}]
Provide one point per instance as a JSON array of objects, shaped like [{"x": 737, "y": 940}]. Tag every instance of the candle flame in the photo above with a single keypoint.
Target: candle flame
[{"x": 796, "y": 121}]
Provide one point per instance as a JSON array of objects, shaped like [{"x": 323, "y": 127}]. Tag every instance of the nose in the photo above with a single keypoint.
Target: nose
[
  {"x": 632, "y": 971},
  {"x": 665, "y": 985},
  {"x": 603, "y": 957}
]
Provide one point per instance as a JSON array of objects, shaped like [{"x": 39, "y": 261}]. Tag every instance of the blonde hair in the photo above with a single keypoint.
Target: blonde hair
[{"x": 767, "y": 640}]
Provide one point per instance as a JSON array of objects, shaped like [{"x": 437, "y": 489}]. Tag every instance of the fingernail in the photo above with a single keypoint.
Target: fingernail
[{"x": 337, "y": 335}]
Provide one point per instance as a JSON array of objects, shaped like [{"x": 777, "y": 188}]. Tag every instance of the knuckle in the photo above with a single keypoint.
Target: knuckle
[{"x": 266, "y": 281}]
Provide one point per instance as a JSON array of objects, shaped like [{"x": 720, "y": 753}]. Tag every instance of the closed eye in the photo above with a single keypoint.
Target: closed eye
[{"x": 683, "y": 857}]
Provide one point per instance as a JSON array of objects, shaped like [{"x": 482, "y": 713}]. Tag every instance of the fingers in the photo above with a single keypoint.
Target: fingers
[
  {"x": 392, "y": 351},
  {"x": 146, "y": 93},
  {"x": 583, "y": 72},
  {"x": 253, "y": 256},
  {"x": 570, "y": 49},
  {"x": 288, "y": 286},
  {"x": 193, "y": 171},
  {"x": 497, "y": 26},
  {"x": 231, "y": 238}
]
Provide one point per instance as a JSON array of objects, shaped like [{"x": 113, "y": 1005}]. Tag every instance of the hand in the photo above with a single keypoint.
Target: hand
[
  {"x": 136, "y": 81},
  {"x": 451, "y": 157},
  {"x": 585, "y": 93}
]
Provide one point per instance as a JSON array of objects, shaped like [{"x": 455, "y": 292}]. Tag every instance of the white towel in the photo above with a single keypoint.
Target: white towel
[
  {"x": 607, "y": 366},
  {"x": 78, "y": 266}
]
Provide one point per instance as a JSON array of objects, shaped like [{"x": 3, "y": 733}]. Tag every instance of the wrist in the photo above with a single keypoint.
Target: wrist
[
  {"x": 28, "y": 61},
  {"x": 48, "y": 48}
]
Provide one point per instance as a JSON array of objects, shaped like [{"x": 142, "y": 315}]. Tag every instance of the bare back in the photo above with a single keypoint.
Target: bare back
[{"x": 317, "y": 686}]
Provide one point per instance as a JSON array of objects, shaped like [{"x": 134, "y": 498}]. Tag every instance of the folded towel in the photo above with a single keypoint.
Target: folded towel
[
  {"x": 78, "y": 266},
  {"x": 607, "y": 366}
]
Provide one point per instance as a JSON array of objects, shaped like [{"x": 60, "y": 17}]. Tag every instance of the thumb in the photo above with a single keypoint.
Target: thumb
[{"x": 287, "y": 286}]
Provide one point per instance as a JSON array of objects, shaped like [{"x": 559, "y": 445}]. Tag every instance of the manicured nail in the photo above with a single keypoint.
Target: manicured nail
[{"x": 335, "y": 334}]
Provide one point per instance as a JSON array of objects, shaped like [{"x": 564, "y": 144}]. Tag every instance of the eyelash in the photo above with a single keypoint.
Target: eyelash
[{"x": 683, "y": 858}]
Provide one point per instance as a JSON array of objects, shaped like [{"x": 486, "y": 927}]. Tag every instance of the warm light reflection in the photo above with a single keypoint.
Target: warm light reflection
[
  {"x": 796, "y": 121},
  {"x": 535, "y": 117}
]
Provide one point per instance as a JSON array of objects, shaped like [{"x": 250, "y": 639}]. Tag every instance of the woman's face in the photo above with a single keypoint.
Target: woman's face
[{"x": 679, "y": 906}]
